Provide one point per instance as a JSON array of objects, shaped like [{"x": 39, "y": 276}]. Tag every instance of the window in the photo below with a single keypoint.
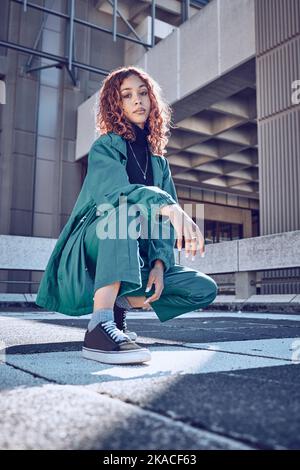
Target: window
[{"x": 216, "y": 232}]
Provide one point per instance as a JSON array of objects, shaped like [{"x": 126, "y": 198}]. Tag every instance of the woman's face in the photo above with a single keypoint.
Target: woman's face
[{"x": 135, "y": 95}]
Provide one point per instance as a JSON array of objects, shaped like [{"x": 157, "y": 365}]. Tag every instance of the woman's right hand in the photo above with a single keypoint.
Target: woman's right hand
[{"x": 184, "y": 226}]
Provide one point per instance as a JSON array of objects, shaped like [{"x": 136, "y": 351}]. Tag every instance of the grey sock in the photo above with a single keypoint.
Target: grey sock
[
  {"x": 122, "y": 302},
  {"x": 101, "y": 315}
]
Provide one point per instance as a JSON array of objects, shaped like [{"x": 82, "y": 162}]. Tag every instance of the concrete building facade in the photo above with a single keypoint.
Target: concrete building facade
[{"x": 225, "y": 66}]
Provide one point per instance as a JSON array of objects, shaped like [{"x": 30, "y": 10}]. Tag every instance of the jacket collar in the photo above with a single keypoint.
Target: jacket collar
[{"x": 119, "y": 143}]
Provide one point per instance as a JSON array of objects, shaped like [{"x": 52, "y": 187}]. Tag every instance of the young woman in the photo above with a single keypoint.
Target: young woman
[{"x": 90, "y": 272}]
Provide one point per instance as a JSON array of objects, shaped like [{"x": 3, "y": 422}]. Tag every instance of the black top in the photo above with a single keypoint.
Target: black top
[{"x": 139, "y": 147}]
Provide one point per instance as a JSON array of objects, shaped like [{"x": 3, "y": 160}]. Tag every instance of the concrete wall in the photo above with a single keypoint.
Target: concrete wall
[
  {"x": 202, "y": 49},
  {"x": 208, "y": 45},
  {"x": 278, "y": 66}
]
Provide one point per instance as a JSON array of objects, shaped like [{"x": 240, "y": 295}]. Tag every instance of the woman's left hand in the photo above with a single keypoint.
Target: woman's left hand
[{"x": 156, "y": 277}]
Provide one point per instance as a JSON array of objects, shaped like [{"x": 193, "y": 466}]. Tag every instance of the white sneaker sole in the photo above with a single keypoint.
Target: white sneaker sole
[{"x": 116, "y": 357}]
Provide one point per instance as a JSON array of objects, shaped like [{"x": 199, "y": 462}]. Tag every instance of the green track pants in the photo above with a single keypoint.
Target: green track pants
[{"x": 125, "y": 260}]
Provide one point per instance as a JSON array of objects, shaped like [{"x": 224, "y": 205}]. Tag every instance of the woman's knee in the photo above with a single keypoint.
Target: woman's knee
[
  {"x": 207, "y": 288},
  {"x": 213, "y": 289}
]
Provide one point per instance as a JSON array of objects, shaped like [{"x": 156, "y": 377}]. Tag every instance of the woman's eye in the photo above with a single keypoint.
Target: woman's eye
[{"x": 143, "y": 93}]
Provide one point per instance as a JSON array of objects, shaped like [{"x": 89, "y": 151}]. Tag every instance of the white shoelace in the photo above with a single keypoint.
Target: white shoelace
[{"x": 117, "y": 335}]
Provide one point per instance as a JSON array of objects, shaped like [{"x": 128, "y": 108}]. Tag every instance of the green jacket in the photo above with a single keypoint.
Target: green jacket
[{"x": 66, "y": 285}]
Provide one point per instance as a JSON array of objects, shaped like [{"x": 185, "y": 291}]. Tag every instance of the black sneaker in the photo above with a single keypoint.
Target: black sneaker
[
  {"x": 120, "y": 319},
  {"x": 106, "y": 343}
]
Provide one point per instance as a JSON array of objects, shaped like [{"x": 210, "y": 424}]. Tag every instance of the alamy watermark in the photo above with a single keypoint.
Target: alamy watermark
[
  {"x": 295, "y": 347},
  {"x": 2, "y": 92},
  {"x": 295, "y": 97},
  {"x": 138, "y": 220},
  {"x": 2, "y": 352}
]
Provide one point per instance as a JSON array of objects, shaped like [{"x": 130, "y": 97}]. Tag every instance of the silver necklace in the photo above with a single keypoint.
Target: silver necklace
[{"x": 144, "y": 172}]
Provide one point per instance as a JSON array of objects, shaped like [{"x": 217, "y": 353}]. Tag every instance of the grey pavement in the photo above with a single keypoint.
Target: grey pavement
[{"x": 216, "y": 380}]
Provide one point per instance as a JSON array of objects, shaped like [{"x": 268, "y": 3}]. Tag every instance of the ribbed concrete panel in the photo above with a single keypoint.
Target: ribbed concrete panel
[
  {"x": 276, "y": 71},
  {"x": 276, "y": 22},
  {"x": 277, "y": 67},
  {"x": 279, "y": 139}
]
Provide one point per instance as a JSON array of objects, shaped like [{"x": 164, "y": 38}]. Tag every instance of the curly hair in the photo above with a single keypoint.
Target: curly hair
[{"x": 110, "y": 116}]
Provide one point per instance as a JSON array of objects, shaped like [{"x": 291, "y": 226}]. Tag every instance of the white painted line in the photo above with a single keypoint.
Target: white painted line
[
  {"x": 279, "y": 348},
  {"x": 255, "y": 315},
  {"x": 69, "y": 367}
]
